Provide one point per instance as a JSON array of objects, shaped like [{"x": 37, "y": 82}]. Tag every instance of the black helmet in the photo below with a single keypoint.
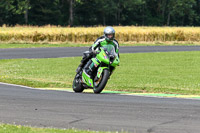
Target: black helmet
[{"x": 109, "y": 31}]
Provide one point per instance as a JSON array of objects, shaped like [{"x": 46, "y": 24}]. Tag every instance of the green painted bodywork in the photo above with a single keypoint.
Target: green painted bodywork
[
  {"x": 116, "y": 62},
  {"x": 101, "y": 57},
  {"x": 95, "y": 61},
  {"x": 86, "y": 79}
]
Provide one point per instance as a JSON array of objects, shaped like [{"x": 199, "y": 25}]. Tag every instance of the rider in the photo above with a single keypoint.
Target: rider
[{"x": 107, "y": 38}]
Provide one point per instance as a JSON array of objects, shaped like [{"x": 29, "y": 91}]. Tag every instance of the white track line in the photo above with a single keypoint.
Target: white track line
[
  {"x": 22, "y": 86},
  {"x": 16, "y": 85}
]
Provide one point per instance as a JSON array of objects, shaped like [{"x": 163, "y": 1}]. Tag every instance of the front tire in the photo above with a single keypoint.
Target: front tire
[
  {"x": 104, "y": 79},
  {"x": 77, "y": 86}
]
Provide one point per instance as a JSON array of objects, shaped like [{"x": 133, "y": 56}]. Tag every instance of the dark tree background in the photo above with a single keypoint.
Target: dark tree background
[{"x": 100, "y": 12}]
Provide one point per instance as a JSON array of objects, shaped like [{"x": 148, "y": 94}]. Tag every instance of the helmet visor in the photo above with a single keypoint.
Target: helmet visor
[{"x": 110, "y": 36}]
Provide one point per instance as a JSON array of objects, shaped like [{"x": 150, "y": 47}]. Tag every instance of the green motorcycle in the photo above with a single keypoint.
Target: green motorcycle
[{"x": 105, "y": 62}]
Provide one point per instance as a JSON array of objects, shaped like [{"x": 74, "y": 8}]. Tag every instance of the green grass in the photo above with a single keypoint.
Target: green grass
[
  {"x": 23, "y": 45},
  {"x": 5, "y": 128},
  {"x": 170, "y": 72}
]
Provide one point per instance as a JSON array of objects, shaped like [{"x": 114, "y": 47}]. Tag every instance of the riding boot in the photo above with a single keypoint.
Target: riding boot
[
  {"x": 90, "y": 68},
  {"x": 86, "y": 57},
  {"x": 83, "y": 62},
  {"x": 80, "y": 67}
]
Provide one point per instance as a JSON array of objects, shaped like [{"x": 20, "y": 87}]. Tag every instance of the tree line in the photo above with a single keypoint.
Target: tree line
[{"x": 100, "y": 12}]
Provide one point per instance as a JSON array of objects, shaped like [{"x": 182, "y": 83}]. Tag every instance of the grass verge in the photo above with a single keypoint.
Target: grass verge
[
  {"x": 5, "y": 128},
  {"x": 170, "y": 72},
  {"x": 38, "y": 45}
]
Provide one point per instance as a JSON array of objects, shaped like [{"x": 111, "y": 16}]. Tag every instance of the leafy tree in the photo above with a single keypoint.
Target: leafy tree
[
  {"x": 132, "y": 12},
  {"x": 100, "y": 12},
  {"x": 45, "y": 12},
  {"x": 12, "y": 8},
  {"x": 180, "y": 12}
]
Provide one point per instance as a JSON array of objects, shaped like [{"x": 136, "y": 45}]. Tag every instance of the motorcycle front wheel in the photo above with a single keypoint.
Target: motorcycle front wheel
[{"x": 101, "y": 82}]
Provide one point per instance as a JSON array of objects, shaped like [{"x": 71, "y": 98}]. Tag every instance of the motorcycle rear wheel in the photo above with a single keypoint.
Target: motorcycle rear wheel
[{"x": 77, "y": 86}]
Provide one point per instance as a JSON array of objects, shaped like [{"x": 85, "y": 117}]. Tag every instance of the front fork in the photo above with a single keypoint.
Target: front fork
[{"x": 100, "y": 70}]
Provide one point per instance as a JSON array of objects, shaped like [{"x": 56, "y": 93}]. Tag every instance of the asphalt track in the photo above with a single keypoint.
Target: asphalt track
[
  {"x": 107, "y": 112},
  {"x": 73, "y": 51}
]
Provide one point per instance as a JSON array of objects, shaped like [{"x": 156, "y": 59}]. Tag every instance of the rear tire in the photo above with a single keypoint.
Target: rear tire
[
  {"x": 105, "y": 76},
  {"x": 77, "y": 86}
]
